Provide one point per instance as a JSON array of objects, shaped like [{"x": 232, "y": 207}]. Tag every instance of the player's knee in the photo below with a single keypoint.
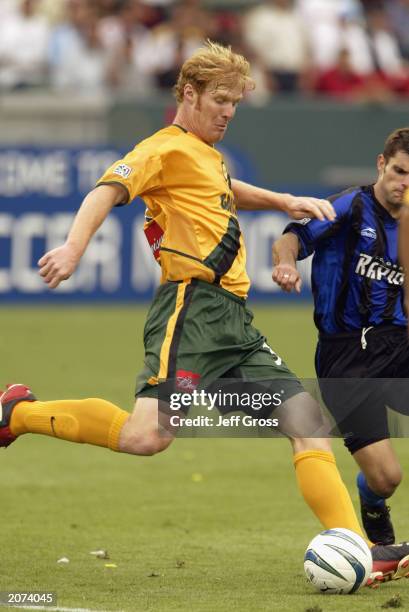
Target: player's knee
[
  {"x": 146, "y": 443},
  {"x": 386, "y": 483},
  {"x": 151, "y": 445}
]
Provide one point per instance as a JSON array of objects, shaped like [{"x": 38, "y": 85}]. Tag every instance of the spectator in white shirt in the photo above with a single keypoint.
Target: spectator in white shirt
[
  {"x": 385, "y": 51},
  {"x": 124, "y": 35},
  {"x": 398, "y": 11},
  {"x": 323, "y": 23},
  {"x": 78, "y": 59},
  {"x": 169, "y": 44},
  {"x": 24, "y": 36},
  {"x": 275, "y": 32}
]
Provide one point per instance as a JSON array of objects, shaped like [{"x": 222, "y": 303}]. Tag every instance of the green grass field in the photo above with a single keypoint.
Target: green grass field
[{"x": 213, "y": 525}]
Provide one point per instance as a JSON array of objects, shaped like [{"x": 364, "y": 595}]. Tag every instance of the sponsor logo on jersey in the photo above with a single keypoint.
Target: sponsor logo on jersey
[
  {"x": 123, "y": 170},
  {"x": 227, "y": 202},
  {"x": 369, "y": 232},
  {"x": 187, "y": 381},
  {"x": 376, "y": 268},
  {"x": 154, "y": 235}
]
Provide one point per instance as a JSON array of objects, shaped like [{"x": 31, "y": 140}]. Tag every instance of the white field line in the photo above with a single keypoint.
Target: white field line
[{"x": 56, "y": 609}]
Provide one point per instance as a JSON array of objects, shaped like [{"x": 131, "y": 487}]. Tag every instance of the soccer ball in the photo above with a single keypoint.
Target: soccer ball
[{"x": 338, "y": 561}]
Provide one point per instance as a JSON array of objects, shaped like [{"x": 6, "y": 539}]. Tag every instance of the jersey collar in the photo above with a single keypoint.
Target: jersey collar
[{"x": 380, "y": 210}]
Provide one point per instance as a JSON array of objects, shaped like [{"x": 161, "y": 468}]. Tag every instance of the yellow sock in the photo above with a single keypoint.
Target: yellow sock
[
  {"x": 322, "y": 488},
  {"x": 94, "y": 421}
]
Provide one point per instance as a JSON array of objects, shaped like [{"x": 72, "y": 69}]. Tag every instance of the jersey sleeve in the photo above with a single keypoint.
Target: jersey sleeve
[
  {"x": 138, "y": 172},
  {"x": 311, "y": 231}
]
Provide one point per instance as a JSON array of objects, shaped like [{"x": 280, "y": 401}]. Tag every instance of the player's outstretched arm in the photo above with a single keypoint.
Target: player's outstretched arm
[
  {"x": 285, "y": 273},
  {"x": 249, "y": 197},
  {"x": 60, "y": 263}
]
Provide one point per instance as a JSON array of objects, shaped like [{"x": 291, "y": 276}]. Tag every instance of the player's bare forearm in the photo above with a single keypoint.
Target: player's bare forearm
[
  {"x": 285, "y": 253},
  {"x": 285, "y": 249},
  {"x": 249, "y": 197},
  {"x": 60, "y": 263},
  {"x": 93, "y": 211}
]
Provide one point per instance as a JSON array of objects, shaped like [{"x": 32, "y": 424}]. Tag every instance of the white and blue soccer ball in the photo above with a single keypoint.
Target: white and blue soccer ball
[{"x": 338, "y": 561}]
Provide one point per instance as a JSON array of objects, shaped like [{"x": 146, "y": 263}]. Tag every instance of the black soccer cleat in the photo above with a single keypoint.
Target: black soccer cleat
[
  {"x": 377, "y": 523},
  {"x": 389, "y": 563},
  {"x": 8, "y": 399}
]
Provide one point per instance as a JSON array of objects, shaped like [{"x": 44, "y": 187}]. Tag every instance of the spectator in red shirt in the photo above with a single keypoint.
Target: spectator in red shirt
[{"x": 341, "y": 80}]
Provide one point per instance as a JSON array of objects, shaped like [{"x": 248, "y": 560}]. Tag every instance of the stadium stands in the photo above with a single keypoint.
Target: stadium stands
[{"x": 137, "y": 46}]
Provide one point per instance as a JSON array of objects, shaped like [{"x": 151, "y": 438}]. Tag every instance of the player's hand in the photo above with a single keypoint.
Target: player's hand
[
  {"x": 58, "y": 265},
  {"x": 287, "y": 278},
  {"x": 301, "y": 207}
]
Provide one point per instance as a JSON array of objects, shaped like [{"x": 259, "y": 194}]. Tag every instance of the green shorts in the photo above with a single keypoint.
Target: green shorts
[{"x": 197, "y": 333}]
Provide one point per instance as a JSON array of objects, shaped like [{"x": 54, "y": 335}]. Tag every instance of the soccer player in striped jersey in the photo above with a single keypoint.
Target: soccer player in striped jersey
[
  {"x": 198, "y": 328},
  {"x": 404, "y": 244},
  {"x": 357, "y": 284}
]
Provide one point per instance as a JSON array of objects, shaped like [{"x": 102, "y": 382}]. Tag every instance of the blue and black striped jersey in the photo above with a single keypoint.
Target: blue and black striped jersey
[{"x": 357, "y": 280}]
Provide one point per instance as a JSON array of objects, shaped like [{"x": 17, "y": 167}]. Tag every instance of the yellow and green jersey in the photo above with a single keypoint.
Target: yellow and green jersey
[{"x": 191, "y": 220}]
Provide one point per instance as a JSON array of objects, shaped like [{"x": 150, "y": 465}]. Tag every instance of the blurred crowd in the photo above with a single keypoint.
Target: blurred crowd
[{"x": 354, "y": 50}]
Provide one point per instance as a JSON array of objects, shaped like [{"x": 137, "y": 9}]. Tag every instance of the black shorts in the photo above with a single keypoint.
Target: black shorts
[{"x": 376, "y": 366}]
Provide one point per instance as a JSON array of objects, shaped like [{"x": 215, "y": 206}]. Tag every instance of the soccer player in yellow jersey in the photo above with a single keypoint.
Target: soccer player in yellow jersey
[{"x": 198, "y": 328}]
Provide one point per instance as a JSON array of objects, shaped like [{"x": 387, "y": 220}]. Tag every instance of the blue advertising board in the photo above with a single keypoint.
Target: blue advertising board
[{"x": 40, "y": 190}]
